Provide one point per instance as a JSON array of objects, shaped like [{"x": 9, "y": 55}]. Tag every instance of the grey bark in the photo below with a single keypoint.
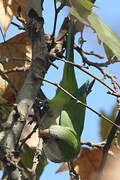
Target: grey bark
[{"x": 11, "y": 131}]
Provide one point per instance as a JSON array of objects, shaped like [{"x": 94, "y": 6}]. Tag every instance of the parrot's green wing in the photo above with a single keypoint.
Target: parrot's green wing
[
  {"x": 73, "y": 114},
  {"x": 64, "y": 143},
  {"x": 68, "y": 80},
  {"x": 65, "y": 118}
]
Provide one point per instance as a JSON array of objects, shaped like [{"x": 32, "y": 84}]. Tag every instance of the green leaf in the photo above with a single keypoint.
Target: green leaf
[
  {"x": 81, "y": 18},
  {"x": 104, "y": 32},
  {"x": 105, "y": 126},
  {"x": 82, "y": 4},
  {"x": 5, "y": 110},
  {"x": 108, "y": 51},
  {"x": 58, "y": 0},
  {"x": 27, "y": 156},
  {"x": 27, "y": 159},
  {"x": 41, "y": 165}
]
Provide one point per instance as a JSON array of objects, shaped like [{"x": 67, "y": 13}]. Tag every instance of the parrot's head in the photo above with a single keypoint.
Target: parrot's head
[{"x": 62, "y": 145}]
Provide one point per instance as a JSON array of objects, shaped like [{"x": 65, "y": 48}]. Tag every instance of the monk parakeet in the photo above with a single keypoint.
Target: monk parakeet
[
  {"x": 68, "y": 82},
  {"x": 62, "y": 143},
  {"x": 62, "y": 125}
]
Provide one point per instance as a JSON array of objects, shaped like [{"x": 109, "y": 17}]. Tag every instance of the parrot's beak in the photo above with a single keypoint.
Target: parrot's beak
[{"x": 44, "y": 133}]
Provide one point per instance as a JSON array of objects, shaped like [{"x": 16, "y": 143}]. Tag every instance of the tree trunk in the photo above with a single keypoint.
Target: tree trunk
[{"x": 12, "y": 129}]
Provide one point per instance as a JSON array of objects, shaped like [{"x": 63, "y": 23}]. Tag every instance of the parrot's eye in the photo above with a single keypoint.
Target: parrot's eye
[
  {"x": 45, "y": 139},
  {"x": 57, "y": 140}
]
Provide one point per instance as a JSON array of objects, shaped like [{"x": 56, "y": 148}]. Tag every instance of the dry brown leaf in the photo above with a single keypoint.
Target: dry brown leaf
[
  {"x": 28, "y": 128},
  {"x": 16, "y": 47},
  {"x": 88, "y": 161},
  {"x": 113, "y": 172},
  {"x": 112, "y": 167},
  {"x": 6, "y": 14},
  {"x": 8, "y": 9}
]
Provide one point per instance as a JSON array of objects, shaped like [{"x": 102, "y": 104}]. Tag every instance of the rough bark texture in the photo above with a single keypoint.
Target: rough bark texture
[{"x": 11, "y": 131}]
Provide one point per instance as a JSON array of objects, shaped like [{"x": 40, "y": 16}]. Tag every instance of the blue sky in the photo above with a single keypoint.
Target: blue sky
[{"x": 98, "y": 99}]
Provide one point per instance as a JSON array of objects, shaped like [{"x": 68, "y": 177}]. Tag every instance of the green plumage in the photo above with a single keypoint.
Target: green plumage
[
  {"x": 75, "y": 112},
  {"x": 65, "y": 118},
  {"x": 64, "y": 144},
  {"x": 68, "y": 82}
]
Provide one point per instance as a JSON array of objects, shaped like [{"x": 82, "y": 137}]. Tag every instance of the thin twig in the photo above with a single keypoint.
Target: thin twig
[
  {"x": 110, "y": 138},
  {"x": 21, "y": 20},
  {"x": 54, "y": 65},
  {"x": 114, "y": 94},
  {"x": 94, "y": 145},
  {"x": 6, "y": 60},
  {"x": 115, "y": 84},
  {"x": 113, "y": 79},
  {"x": 55, "y": 20},
  {"x": 29, "y": 136},
  {"x": 80, "y": 50},
  {"x": 18, "y": 26},
  {"x": 99, "y": 65},
  {"x": 16, "y": 69},
  {"x": 90, "y": 74},
  {"x": 57, "y": 10},
  {"x": 10, "y": 82},
  {"x": 93, "y": 54},
  {"x": 99, "y": 145},
  {"x": 39, "y": 147},
  {"x": 85, "y": 60},
  {"x": 72, "y": 172},
  {"x": 78, "y": 101},
  {"x": 2, "y": 34}
]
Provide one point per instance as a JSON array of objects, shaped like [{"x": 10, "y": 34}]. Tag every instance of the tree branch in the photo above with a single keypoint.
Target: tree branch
[
  {"x": 2, "y": 34},
  {"x": 94, "y": 145},
  {"x": 57, "y": 10},
  {"x": 110, "y": 138},
  {"x": 78, "y": 101},
  {"x": 72, "y": 172},
  {"x": 12, "y": 129},
  {"x": 18, "y": 26},
  {"x": 6, "y": 60},
  {"x": 85, "y": 60},
  {"x": 10, "y": 82},
  {"x": 87, "y": 72}
]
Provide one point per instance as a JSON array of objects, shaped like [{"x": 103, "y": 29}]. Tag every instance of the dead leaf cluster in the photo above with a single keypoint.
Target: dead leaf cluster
[
  {"x": 88, "y": 161},
  {"x": 8, "y": 9},
  {"x": 18, "y": 48}
]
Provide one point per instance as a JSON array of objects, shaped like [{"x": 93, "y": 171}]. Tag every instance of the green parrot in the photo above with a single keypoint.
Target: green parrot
[
  {"x": 68, "y": 82},
  {"x": 61, "y": 126},
  {"x": 62, "y": 143}
]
